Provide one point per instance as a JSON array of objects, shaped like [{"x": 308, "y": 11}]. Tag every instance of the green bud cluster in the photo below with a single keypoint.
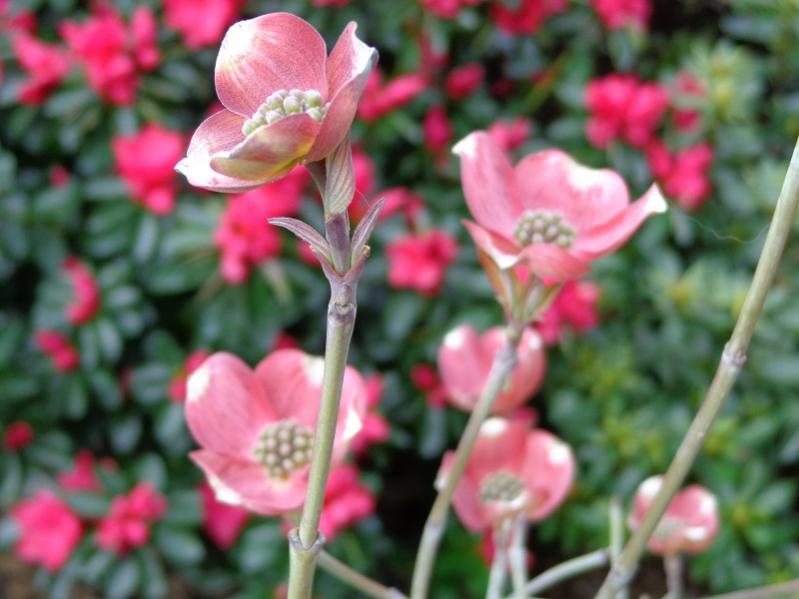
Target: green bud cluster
[
  {"x": 544, "y": 227},
  {"x": 283, "y": 103},
  {"x": 284, "y": 447},
  {"x": 502, "y": 486}
]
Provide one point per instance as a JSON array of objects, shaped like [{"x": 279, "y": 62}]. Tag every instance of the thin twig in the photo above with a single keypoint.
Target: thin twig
[
  {"x": 673, "y": 565},
  {"x": 356, "y": 580},
  {"x": 732, "y": 361},
  {"x": 568, "y": 569},
  {"x": 783, "y": 590},
  {"x": 518, "y": 557},
  {"x": 499, "y": 565},
  {"x": 617, "y": 538}
]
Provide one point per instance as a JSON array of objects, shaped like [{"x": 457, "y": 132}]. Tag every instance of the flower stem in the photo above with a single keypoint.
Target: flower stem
[
  {"x": 617, "y": 537},
  {"x": 356, "y": 580},
  {"x": 773, "y": 591},
  {"x": 504, "y": 362},
  {"x": 732, "y": 360},
  {"x": 673, "y": 565},
  {"x": 518, "y": 557},
  {"x": 568, "y": 569},
  {"x": 499, "y": 565}
]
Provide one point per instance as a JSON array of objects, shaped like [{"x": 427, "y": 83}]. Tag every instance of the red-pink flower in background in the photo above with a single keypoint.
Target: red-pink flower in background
[
  {"x": 333, "y": 3},
  {"x": 86, "y": 293},
  {"x": 527, "y": 17},
  {"x": 256, "y": 429},
  {"x": 82, "y": 476},
  {"x": 548, "y": 213},
  {"x": 687, "y": 90},
  {"x": 512, "y": 471},
  {"x": 376, "y": 428},
  {"x": 364, "y": 172},
  {"x": 347, "y": 501},
  {"x": 425, "y": 378},
  {"x": 286, "y": 102},
  {"x": 464, "y": 80},
  {"x": 574, "y": 308},
  {"x": 46, "y": 66},
  {"x": 420, "y": 261},
  {"x": 244, "y": 236},
  {"x": 128, "y": 522},
  {"x": 691, "y": 521},
  {"x": 146, "y": 162},
  {"x": 18, "y": 435},
  {"x": 182, "y": 16},
  {"x": 618, "y": 14},
  {"x": 177, "y": 386},
  {"x": 447, "y": 9},
  {"x": 58, "y": 348},
  {"x": 112, "y": 53},
  {"x": 684, "y": 174},
  {"x": 464, "y": 362},
  {"x": 437, "y": 129},
  {"x": 510, "y": 134},
  {"x": 49, "y": 530},
  {"x": 222, "y": 522},
  {"x": 380, "y": 98}
]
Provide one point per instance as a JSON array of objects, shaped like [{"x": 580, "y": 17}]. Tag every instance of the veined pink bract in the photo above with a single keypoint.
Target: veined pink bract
[{"x": 286, "y": 102}]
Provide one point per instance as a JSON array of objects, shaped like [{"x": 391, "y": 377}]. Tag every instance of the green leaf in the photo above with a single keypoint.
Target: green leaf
[
  {"x": 88, "y": 505},
  {"x": 151, "y": 468},
  {"x": 125, "y": 433},
  {"x": 154, "y": 585},
  {"x": 106, "y": 390},
  {"x": 179, "y": 547},
  {"x": 123, "y": 580},
  {"x": 185, "y": 508}
]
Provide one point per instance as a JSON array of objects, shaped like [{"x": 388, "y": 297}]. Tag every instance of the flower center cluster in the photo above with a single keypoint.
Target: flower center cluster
[
  {"x": 285, "y": 446},
  {"x": 502, "y": 486},
  {"x": 283, "y": 103},
  {"x": 544, "y": 227}
]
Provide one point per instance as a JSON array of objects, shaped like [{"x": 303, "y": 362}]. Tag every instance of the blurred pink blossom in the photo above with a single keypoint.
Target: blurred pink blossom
[
  {"x": 86, "y": 293},
  {"x": 420, "y": 261},
  {"x": 128, "y": 522},
  {"x": 18, "y": 435},
  {"x": 575, "y": 307},
  {"x": 437, "y": 129},
  {"x": 46, "y": 66},
  {"x": 511, "y": 133},
  {"x": 347, "y": 501},
  {"x": 177, "y": 386},
  {"x": 380, "y": 98},
  {"x": 617, "y": 14},
  {"x": 49, "y": 530},
  {"x": 425, "y": 378},
  {"x": 62, "y": 353},
  {"x": 182, "y": 16},
  {"x": 82, "y": 476},
  {"x": 447, "y": 9},
  {"x": 684, "y": 174},
  {"x": 464, "y": 80},
  {"x": 376, "y": 428},
  {"x": 527, "y": 18},
  {"x": 222, "y": 522}
]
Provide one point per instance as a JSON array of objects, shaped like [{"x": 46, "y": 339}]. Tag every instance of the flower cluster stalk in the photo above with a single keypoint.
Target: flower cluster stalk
[
  {"x": 504, "y": 362},
  {"x": 356, "y": 580},
  {"x": 732, "y": 361},
  {"x": 566, "y": 570}
]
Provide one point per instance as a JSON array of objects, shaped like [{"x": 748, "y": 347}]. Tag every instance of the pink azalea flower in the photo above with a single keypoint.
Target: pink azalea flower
[
  {"x": 45, "y": 64},
  {"x": 436, "y": 129},
  {"x": 284, "y": 341},
  {"x": 376, "y": 428},
  {"x": 286, "y": 102},
  {"x": 177, "y": 386},
  {"x": 347, "y": 501},
  {"x": 527, "y": 17},
  {"x": 255, "y": 429},
  {"x": 512, "y": 471},
  {"x": 62, "y": 353},
  {"x": 420, "y": 262},
  {"x": 364, "y": 172},
  {"x": 690, "y": 524},
  {"x": 59, "y": 176},
  {"x": 181, "y": 15},
  {"x": 18, "y": 435},
  {"x": 82, "y": 476},
  {"x": 145, "y": 160},
  {"x": 222, "y": 522},
  {"x": 380, "y": 99},
  {"x": 128, "y": 522},
  {"x": 464, "y": 80},
  {"x": 49, "y": 530},
  {"x": 687, "y": 88},
  {"x": 618, "y": 14},
  {"x": 112, "y": 54},
  {"x": 510, "y": 134},
  {"x": 397, "y": 200},
  {"x": 464, "y": 362},
  {"x": 684, "y": 174},
  {"x": 333, "y": 3},
  {"x": 447, "y": 9},
  {"x": 86, "y": 299},
  {"x": 574, "y": 307},
  {"x": 548, "y": 213},
  {"x": 425, "y": 378}
]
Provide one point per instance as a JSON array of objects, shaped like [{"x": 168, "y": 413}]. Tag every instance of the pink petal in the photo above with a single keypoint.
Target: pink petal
[
  {"x": 348, "y": 69},
  {"x": 466, "y": 499},
  {"x": 270, "y": 151},
  {"x": 220, "y": 132},
  {"x": 463, "y": 366},
  {"x": 499, "y": 446},
  {"x": 697, "y": 508},
  {"x": 265, "y": 54},
  {"x": 489, "y": 183},
  {"x": 552, "y": 263},
  {"x": 548, "y": 472},
  {"x": 226, "y": 408},
  {"x": 610, "y": 235},
  {"x": 644, "y": 496},
  {"x": 528, "y": 375},
  {"x": 246, "y": 484},
  {"x": 552, "y": 180},
  {"x": 501, "y": 250}
]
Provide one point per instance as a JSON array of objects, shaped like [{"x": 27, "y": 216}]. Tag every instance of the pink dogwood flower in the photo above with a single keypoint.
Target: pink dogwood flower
[
  {"x": 86, "y": 293},
  {"x": 63, "y": 354},
  {"x": 49, "y": 530},
  {"x": 548, "y": 213},
  {"x": 181, "y": 15},
  {"x": 574, "y": 307},
  {"x": 128, "y": 522},
  {"x": 512, "y": 471},
  {"x": 347, "y": 501},
  {"x": 177, "y": 386},
  {"x": 256, "y": 428},
  {"x": 690, "y": 524},
  {"x": 18, "y": 435},
  {"x": 145, "y": 160},
  {"x": 618, "y": 14},
  {"x": 464, "y": 362},
  {"x": 286, "y": 102},
  {"x": 420, "y": 262},
  {"x": 222, "y": 522}
]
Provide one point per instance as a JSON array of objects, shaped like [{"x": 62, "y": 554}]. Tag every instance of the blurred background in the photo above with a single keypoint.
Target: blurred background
[{"x": 117, "y": 278}]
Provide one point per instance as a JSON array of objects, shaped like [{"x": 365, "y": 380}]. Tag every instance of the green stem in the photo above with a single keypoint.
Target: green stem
[
  {"x": 518, "y": 557},
  {"x": 617, "y": 537},
  {"x": 356, "y": 580},
  {"x": 732, "y": 360},
  {"x": 499, "y": 565},
  {"x": 503, "y": 365},
  {"x": 783, "y": 590},
  {"x": 568, "y": 569},
  {"x": 673, "y": 565}
]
